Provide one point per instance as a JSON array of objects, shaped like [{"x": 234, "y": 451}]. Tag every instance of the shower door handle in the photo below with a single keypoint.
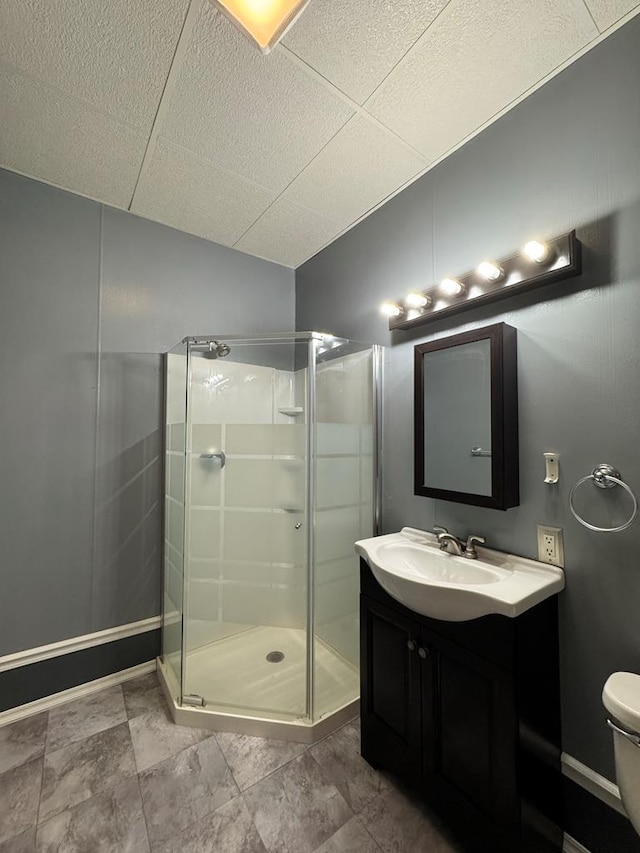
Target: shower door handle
[{"x": 219, "y": 454}]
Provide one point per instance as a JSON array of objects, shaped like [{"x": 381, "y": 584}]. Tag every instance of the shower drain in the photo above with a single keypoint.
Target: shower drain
[{"x": 275, "y": 657}]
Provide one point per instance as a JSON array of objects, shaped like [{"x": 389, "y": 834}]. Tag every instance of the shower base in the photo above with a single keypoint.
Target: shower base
[{"x": 246, "y": 693}]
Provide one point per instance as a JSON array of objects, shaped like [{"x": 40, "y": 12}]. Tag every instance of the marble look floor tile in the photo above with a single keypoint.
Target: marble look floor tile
[
  {"x": 84, "y": 717},
  {"x": 339, "y": 756},
  {"x": 401, "y": 824},
  {"x": 142, "y": 695},
  {"x": 23, "y": 843},
  {"x": 107, "y": 822},
  {"x": 352, "y": 837},
  {"x": 184, "y": 788},
  {"x": 227, "y": 830},
  {"x": 19, "y": 796},
  {"x": 82, "y": 770},
  {"x": 22, "y": 742},
  {"x": 297, "y": 808},
  {"x": 155, "y": 737},
  {"x": 253, "y": 758}
]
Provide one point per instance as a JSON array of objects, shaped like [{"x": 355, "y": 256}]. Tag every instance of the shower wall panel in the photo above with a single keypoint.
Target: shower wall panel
[{"x": 246, "y": 556}]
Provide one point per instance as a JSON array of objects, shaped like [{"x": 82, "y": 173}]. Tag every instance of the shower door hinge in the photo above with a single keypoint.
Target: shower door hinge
[{"x": 193, "y": 699}]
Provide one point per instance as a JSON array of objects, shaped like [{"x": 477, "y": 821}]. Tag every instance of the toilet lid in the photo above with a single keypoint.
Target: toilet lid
[{"x": 621, "y": 698}]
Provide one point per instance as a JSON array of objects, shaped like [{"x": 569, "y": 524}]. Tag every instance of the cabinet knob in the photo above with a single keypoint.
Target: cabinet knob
[
  {"x": 411, "y": 645},
  {"x": 423, "y": 653}
]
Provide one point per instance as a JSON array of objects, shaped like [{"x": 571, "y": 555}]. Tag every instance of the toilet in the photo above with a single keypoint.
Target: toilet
[{"x": 621, "y": 698}]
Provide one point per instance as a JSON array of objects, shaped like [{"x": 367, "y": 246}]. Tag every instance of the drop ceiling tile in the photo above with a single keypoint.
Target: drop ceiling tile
[
  {"x": 115, "y": 55},
  {"x": 47, "y": 135},
  {"x": 476, "y": 58},
  {"x": 607, "y": 12},
  {"x": 359, "y": 168},
  {"x": 183, "y": 191},
  {"x": 356, "y": 44},
  {"x": 287, "y": 234},
  {"x": 260, "y": 116}
]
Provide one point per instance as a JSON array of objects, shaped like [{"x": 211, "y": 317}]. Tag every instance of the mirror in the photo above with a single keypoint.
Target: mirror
[{"x": 466, "y": 418}]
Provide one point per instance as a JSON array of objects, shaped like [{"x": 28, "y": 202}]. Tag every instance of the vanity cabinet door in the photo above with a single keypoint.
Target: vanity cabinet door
[
  {"x": 391, "y": 690},
  {"x": 471, "y": 771}
]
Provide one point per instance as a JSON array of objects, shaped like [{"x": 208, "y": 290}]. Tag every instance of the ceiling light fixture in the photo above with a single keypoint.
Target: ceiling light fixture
[
  {"x": 264, "y": 21},
  {"x": 553, "y": 261}
]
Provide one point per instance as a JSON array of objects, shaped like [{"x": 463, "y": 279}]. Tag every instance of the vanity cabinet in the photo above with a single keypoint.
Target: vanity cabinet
[{"x": 468, "y": 714}]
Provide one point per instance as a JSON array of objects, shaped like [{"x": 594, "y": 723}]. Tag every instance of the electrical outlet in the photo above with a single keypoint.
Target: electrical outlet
[{"x": 550, "y": 545}]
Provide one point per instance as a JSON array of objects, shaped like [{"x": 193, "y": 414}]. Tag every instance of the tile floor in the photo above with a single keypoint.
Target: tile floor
[{"x": 111, "y": 773}]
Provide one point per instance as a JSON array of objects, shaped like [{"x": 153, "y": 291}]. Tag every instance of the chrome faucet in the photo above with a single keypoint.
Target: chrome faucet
[{"x": 449, "y": 541}]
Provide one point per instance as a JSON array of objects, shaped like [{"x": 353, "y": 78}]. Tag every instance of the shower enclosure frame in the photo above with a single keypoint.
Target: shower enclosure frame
[{"x": 187, "y": 710}]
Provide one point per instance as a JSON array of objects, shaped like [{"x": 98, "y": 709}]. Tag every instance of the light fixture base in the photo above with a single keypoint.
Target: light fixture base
[
  {"x": 520, "y": 274},
  {"x": 265, "y": 28}
]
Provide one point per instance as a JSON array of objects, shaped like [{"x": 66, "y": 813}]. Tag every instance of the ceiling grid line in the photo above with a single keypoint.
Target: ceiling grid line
[
  {"x": 87, "y": 105},
  {"x": 283, "y": 191},
  {"x": 354, "y": 105},
  {"x": 167, "y": 90},
  {"x": 409, "y": 50},
  {"x": 207, "y": 161},
  {"x": 591, "y": 15}
]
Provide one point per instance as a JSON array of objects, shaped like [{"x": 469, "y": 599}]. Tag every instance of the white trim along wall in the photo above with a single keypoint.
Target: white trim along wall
[
  {"x": 76, "y": 644},
  {"x": 44, "y": 704}
]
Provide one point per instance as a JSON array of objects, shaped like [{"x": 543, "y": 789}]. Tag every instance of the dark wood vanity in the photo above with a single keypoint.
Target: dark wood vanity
[{"x": 469, "y": 714}]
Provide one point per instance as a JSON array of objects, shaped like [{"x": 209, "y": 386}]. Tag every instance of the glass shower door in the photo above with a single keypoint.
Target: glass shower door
[
  {"x": 346, "y": 382},
  {"x": 174, "y": 515},
  {"x": 246, "y": 582}
]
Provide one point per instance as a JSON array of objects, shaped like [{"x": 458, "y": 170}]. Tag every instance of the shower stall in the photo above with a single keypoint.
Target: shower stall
[{"x": 271, "y": 473}]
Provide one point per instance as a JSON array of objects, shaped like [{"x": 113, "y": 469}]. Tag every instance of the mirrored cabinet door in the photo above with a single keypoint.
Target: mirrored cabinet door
[{"x": 466, "y": 418}]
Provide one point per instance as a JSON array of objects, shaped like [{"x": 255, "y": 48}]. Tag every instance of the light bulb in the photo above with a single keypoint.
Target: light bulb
[
  {"x": 537, "y": 252},
  {"x": 451, "y": 287},
  {"x": 390, "y": 309},
  {"x": 490, "y": 271},
  {"x": 416, "y": 300}
]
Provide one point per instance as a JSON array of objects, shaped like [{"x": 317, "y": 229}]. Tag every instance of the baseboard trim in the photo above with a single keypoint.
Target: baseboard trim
[
  {"x": 48, "y": 702},
  {"x": 76, "y": 644},
  {"x": 572, "y": 846},
  {"x": 593, "y": 782}
]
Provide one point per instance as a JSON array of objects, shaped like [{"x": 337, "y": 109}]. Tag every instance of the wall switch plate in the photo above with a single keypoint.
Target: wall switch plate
[{"x": 550, "y": 545}]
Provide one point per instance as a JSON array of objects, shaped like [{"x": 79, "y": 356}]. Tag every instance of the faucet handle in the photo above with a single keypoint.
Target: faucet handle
[
  {"x": 439, "y": 530},
  {"x": 470, "y": 548}
]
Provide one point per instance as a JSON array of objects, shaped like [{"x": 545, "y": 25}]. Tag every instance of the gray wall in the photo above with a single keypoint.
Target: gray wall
[
  {"x": 567, "y": 157},
  {"x": 89, "y": 298}
]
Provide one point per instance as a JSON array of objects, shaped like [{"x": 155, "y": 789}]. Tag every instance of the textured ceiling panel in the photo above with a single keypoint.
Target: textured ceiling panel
[
  {"x": 356, "y": 44},
  {"x": 607, "y": 12},
  {"x": 261, "y": 117},
  {"x": 359, "y": 168},
  {"x": 94, "y": 93},
  {"x": 288, "y": 234},
  {"x": 190, "y": 194},
  {"x": 45, "y": 134},
  {"x": 115, "y": 54},
  {"x": 477, "y": 57}
]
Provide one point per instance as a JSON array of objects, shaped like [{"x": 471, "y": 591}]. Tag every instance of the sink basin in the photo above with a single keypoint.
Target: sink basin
[{"x": 410, "y": 566}]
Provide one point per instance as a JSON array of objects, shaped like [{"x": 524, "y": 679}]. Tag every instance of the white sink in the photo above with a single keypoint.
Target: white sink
[{"x": 410, "y": 566}]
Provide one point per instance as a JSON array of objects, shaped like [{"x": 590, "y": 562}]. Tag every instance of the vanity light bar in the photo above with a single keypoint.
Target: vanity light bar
[{"x": 537, "y": 264}]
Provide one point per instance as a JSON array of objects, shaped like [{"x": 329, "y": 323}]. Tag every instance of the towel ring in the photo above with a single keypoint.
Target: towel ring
[{"x": 604, "y": 477}]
